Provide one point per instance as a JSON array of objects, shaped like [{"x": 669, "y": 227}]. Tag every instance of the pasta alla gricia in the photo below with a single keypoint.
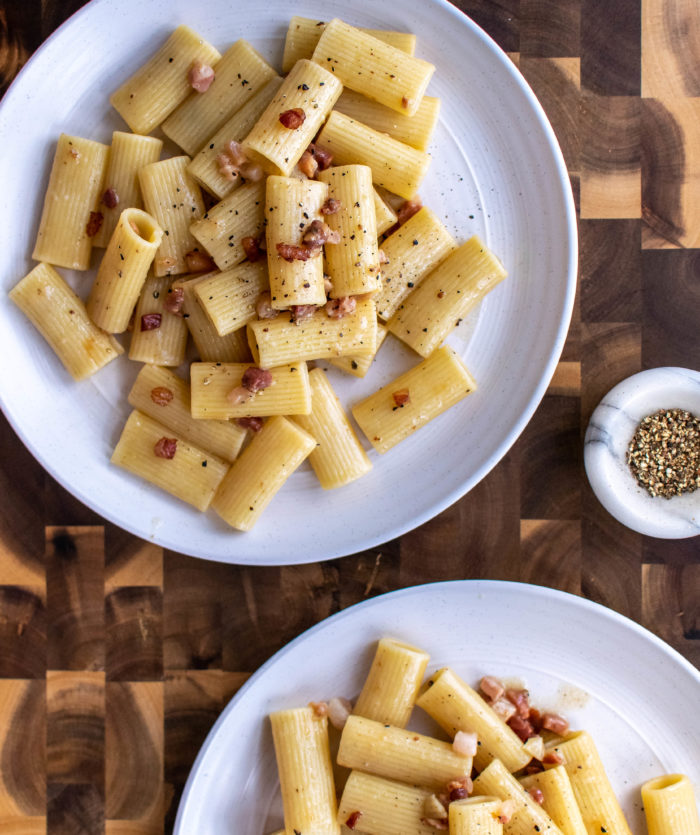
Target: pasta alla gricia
[{"x": 258, "y": 244}]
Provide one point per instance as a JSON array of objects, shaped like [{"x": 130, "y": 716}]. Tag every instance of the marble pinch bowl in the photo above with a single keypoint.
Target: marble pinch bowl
[{"x": 611, "y": 428}]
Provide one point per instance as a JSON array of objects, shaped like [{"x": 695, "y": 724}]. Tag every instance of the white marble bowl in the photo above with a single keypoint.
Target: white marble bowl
[{"x": 609, "y": 432}]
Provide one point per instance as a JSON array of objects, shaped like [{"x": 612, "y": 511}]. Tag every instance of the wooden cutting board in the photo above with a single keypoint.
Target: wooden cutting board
[{"x": 116, "y": 657}]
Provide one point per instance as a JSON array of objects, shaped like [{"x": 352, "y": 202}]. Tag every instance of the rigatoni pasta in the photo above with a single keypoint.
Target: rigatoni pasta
[
  {"x": 392, "y": 684},
  {"x": 281, "y": 340},
  {"x": 123, "y": 270},
  {"x": 159, "y": 393},
  {"x": 383, "y": 807},
  {"x": 174, "y": 199},
  {"x": 292, "y": 119},
  {"x": 398, "y": 754},
  {"x": 338, "y": 457},
  {"x": 240, "y": 74},
  {"x": 128, "y": 153},
  {"x": 599, "y": 807},
  {"x": 455, "y": 706},
  {"x": 61, "y": 318},
  {"x": 68, "y": 222},
  {"x": 298, "y": 252},
  {"x": 397, "y": 80},
  {"x": 669, "y": 806},
  {"x": 226, "y": 225},
  {"x": 353, "y": 264},
  {"x": 402, "y": 406},
  {"x": 429, "y": 314},
  {"x": 416, "y": 130},
  {"x": 158, "y": 336},
  {"x": 291, "y": 207},
  {"x": 228, "y": 298},
  {"x": 260, "y": 471},
  {"x": 206, "y": 166},
  {"x": 478, "y": 815},
  {"x": 403, "y": 782},
  {"x": 304, "y": 33},
  {"x": 527, "y": 815},
  {"x": 287, "y": 393},
  {"x": 155, "y": 453},
  {"x": 304, "y": 764},
  {"x": 397, "y": 167},
  {"x": 411, "y": 252},
  {"x": 210, "y": 346},
  {"x": 163, "y": 82},
  {"x": 359, "y": 365}
]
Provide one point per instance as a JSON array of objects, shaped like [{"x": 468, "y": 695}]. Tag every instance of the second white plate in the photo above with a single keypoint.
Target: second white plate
[{"x": 605, "y": 673}]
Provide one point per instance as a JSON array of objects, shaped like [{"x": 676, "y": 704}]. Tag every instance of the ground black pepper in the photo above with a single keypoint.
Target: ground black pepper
[{"x": 664, "y": 453}]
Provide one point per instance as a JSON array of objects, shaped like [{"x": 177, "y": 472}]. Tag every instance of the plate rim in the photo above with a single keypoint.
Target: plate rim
[
  {"x": 470, "y": 586},
  {"x": 325, "y": 551}
]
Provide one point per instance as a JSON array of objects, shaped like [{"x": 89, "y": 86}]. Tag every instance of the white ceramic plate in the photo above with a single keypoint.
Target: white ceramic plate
[
  {"x": 607, "y": 674},
  {"x": 497, "y": 171}
]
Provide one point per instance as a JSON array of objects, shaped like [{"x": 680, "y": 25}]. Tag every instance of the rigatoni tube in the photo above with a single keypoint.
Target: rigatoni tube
[
  {"x": 228, "y": 298},
  {"x": 281, "y": 340},
  {"x": 338, "y": 457},
  {"x": 304, "y": 765},
  {"x": 390, "y": 689},
  {"x": 260, "y": 471},
  {"x": 158, "y": 87},
  {"x": 206, "y": 166},
  {"x": 175, "y": 200},
  {"x": 303, "y": 35},
  {"x": 287, "y": 394},
  {"x": 291, "y": 206},
  {"x": 61, "y": 318},
  {"x": 416, "y": 131},
  {"x": 413, "y": 399},
  {"x": 222, "y": 229},
  {"x": 123, "y": 269},
  {"x": 431, "y": 312},
  {"x": 68, "y": 223},
  {"x": 527, "y": 816},
  {"x": 558, "y": 799},
  {"x": 670, "y": 806},
  {"x": 396, "y": 80},
  {"x": 159, "y": 393},
  {"x": 278, "y": 139},
  {"x": 378, "y": 806},
  {"x": 159, "y": 337},
  {"x": 478, "y": 815},
  {"x": 128, "y": 153},
  {"x": 596, "y": 799},
  {"x": 398, "y": 754},
  {"x": 150, "y": 450},
  {"x": 210, "y": 346},
  {"x": 395, "y": 166},
  {"x": 412, "y": 251},
  {"x": 359, "y": 365},
  {"x": 455, "y": 706},
  {"x": 240, "y": 74},
  {"x": 353, "y": 264}
]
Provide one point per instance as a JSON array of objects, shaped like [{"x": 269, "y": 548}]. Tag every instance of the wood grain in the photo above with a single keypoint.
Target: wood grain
[
  {"x": 75, "y": 734},
  {"x": 611, "y": 177},
  {"x": 75, "y": 598},
  {"x": 610, "y": 276},
  {"x": 116, "y": 657},
  {"x": 611, "y": 47},
  {"x": 23, "y": 749},
  {"x": 670, "y": 46},
  {"x": 133, "y": 634}
]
